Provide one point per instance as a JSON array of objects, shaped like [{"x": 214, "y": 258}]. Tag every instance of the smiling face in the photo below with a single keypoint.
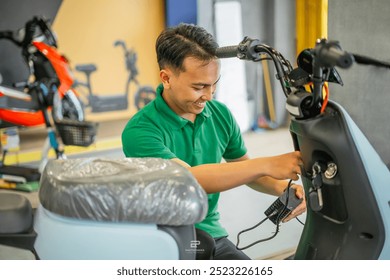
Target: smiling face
[{"x": 186, "y": 92}]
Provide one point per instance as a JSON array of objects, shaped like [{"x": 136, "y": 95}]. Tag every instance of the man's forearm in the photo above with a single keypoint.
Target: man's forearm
[
  {"x": 220, "y": 177},
  {"x": 268, "y": 185},
  {"x": 224, "y": 176}
]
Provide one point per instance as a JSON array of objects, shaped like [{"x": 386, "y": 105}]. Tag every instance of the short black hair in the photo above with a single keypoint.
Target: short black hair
[{"x": 174, "y": 44}]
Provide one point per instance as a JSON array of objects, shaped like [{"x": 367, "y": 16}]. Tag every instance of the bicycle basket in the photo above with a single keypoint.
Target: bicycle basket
[{"x": 76, "y": 133}]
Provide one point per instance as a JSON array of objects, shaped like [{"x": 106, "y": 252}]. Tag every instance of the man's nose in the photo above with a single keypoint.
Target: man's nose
[{"x": 209, "y": 93}]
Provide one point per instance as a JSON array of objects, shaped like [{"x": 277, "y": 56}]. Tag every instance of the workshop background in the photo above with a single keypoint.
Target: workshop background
[{"x": 87, "y": 29}]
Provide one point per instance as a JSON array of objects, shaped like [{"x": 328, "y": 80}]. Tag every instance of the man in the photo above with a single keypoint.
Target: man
[{"x": 186, "y": 125}]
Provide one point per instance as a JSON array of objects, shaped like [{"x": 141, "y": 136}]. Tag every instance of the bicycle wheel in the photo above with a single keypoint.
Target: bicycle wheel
[
  {"x": 69, "y": 107},
  {"x": 144, "y": 96}
]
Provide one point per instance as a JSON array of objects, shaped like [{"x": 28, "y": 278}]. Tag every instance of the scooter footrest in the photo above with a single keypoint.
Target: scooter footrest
[
  {"x": 28, "y": 173},
  {"x": 22, "y": 241}
]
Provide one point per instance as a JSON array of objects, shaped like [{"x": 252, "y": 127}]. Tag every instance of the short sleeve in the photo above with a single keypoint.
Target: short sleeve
[
  {"x": 236, "y": 147},
  {"x": 144, "y": 140}
]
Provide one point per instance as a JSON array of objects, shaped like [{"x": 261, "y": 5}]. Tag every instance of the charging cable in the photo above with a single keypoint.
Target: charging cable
[{"x": 278, "y": 210}]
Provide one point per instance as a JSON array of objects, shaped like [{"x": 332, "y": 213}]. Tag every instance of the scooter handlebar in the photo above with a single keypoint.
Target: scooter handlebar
[
  {"x": 9, "y": 35},
  {"x": 248, "y": 49},
  {"x": 227, "y": 52},
  {"x": 329, "y": 54}
]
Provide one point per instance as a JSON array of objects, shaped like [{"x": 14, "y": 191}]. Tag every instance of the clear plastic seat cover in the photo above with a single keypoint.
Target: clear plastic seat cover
[{"x": 145, "y": 190}]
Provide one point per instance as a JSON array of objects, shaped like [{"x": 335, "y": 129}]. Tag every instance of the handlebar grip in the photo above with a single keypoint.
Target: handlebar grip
[
  {"x": 334, "y": 56},
  {"x": 226, "y": 52},
  {"x": 6, "y": 35}
]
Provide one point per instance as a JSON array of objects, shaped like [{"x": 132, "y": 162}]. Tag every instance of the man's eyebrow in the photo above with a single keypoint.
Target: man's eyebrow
[{"x": 205, "y": 85}]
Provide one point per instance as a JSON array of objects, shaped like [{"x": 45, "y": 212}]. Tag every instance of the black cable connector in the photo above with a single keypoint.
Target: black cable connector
[{"x": 282, "y": 206}]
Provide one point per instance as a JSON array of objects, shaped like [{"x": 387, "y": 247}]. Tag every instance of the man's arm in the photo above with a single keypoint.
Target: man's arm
[
  {"x": 267, "y": 175},
  {"x": 269, "y": 185},
  {"x": 224, "y": 176}
]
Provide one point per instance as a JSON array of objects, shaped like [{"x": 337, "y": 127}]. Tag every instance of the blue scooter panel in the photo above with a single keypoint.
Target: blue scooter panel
[{"x": 63, "y": 238}]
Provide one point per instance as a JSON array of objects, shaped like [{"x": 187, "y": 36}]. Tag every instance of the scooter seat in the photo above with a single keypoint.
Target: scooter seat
[
  {"x": 134, "y": 208},
  {"x": 146, "y": 190},
  {"x": 86, "y": 68}
]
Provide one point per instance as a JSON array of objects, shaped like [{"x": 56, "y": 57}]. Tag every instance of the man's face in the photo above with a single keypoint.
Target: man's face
[{"x": 186, "y": 93}]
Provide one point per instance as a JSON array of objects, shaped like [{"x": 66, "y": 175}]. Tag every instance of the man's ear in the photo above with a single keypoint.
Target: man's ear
[{"x": 165, "y": 75}]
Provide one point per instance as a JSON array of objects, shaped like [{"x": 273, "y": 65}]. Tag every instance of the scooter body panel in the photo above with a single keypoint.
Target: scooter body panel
[
  {"x": 62, "y": 238},
  {"x": 20, "y": 108},
  {"x": 379, "y": 177},
  {"x": 60, "y": 65},
  {"x": 353, "y": 222},
  {"x": 22, "y": 118}
]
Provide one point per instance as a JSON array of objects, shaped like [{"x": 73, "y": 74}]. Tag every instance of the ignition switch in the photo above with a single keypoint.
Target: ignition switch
[{"x": 331, "y": 170}]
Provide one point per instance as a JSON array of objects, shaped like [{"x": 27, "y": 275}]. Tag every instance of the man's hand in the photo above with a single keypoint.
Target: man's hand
[
  {"x": 301, "y": 208},
  {"x": 286, "y": 166}
]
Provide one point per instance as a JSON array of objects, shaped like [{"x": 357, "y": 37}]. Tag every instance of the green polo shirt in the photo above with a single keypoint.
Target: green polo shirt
[{"x": 157, "y": 131}]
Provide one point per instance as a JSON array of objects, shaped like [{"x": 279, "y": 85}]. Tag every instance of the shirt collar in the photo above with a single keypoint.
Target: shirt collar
[{"x": 173, "y": 119}]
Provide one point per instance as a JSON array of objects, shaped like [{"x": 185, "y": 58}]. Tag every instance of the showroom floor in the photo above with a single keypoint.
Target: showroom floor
[{"x": 235, "y": 219}]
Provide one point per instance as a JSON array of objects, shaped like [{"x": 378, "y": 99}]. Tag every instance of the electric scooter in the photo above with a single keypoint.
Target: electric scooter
[
  {"x": 108, "y": 103},
  {"x": 47, "y": 91},
  {"x": 345, "y": 180}
]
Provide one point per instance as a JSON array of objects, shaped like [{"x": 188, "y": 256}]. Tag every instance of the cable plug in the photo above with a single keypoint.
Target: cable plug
[{"x": 282, "y": 206}]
